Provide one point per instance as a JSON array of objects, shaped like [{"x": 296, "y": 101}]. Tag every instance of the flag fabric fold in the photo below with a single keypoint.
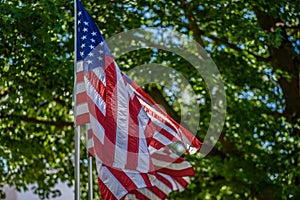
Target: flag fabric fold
[{"x": 127, "y": 133}]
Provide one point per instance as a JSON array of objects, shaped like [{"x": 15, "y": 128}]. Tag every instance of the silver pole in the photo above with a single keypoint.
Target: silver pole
[
  {"x": 90, "y": 196},
  {"x": 77, "y": 129},
  {"x": 77, "y": 163}
]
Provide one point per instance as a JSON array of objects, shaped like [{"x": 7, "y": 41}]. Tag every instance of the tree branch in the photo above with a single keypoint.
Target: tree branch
[
  {"x": 59, "y": 124},
  {"x": 236, "y": 48},
  {"x": 193, "y": 26}
]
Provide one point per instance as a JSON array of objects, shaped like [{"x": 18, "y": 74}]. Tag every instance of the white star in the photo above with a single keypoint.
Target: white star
[
  {"x": 83, "y": 37},
  {"x": 85, "y": 29},
  {"x": 79, "y": 13},
  {"x": 89, "y": 62},
  {"x": 83, "y": 45},
  {"x": 91, "y": 46},
  {"x": 101, "y": 43},
  {"x": 94, "y": 33},
  {"x": 91, "y": 54},
  {"x": 86, "y": 23},
  {"x": 79, "y": 21},
  {"x": 93, "y": 41},
  {"x": 100, "y": 51},
  {"x": 100, "y": 58},
  {"x": 81, "y": 53}
]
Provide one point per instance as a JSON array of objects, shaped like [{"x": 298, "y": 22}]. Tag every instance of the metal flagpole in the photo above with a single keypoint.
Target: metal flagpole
[
  {"x": 77, "y": 129},
  {"x": 90, "y": 166},
  {"x": 77, "y": 132},
  {"x": 77, "y": 163},
  {"x": 90, "y": 195}
]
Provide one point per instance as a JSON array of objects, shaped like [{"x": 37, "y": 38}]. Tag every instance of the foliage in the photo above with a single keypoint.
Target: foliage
[{"x": 255, "y": 45}]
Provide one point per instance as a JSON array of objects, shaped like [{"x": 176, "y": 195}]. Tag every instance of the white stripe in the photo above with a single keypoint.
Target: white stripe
[
  {"x": 163, "y": 187},
  {"x": 151, "y": 149},
  {"x": 136, "y": 178},
  {"x": 161, "y": 138},
  {"x": 79, "y": 66},
  {"x": 98, "y": 129},
  {"x": 80, "y": 87},
  {"x": 122, "y": 116},
  {"x": 187, "y": 179},
  {"x": 89, "y": 143},
  {"x": 111, "y": 182},
  {"x": 130, "y": 197},
  {"x": 174, "y": 166},
  {"x": 88, "y": 126},
  {"x": 164, "y": 126},
  {"x": 100, "y": 73},
  {"x": 94, "y": 95},
  {"x": 159, "y": 119},
  {"x": 82, "y": 109},
  {"x": 130, "y": 90},
  {"x": 143, "y": 119},
  {"x": 170, "y": 154},
  {"x": 155, "y": 113},
  {"x": 143, "y": 154},
  {"x": 148, "y": 193},
  {"x": 180, "y": 187},
  {"x": 170, "y": 179},
  {"x": 152, "y": 109}
]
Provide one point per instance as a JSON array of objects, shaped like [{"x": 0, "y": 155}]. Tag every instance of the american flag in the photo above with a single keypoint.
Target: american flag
[{"x": 128, "y": 134}]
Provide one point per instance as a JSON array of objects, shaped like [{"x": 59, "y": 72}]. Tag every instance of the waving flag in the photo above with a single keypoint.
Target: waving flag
[{"x": 127, "y": 132}]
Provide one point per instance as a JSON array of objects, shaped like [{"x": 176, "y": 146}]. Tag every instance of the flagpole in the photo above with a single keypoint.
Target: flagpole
[
  {"x": 90, "y": 171},
  {"x": 77, "y": 163},
  {"x": 77, "y": 129}
]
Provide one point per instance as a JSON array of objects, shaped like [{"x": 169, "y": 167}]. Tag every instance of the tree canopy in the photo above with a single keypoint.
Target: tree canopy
[{"x": 255, "y": 45}]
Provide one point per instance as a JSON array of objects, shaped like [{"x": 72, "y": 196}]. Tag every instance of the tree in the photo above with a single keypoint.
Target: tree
[{"x": 254, "y": 44}]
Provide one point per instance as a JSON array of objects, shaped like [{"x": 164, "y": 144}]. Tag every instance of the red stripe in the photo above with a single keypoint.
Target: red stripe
[
  {"x": 155, "y": 143},
  {"x": 123, "y": 179},
  {"x": 96, "y": 83},
  {"x": 154, "y": 115},
  {"x": 149, "y": 131},
  {"x": 173, "y": 172},
  {"x": 151, "y": 103},
  {"x": 105, "y": 151},
  {"x": 108, "y": 61},
  {"x": 111, "y": 107},
  {"x": 165, "y": 181},
  {"x": 90, "y": 133},
  {"x": 133, "y": 134},
  {"x": 181, "y": 181},
  {"x": 81, "y": 98},
  {"x": 143, "y": 94},
  {"x": 168, "y": 135},
  {"x": 82, "y": 119},
  {"x": 95, "y": 111},
  {"x": 91, "y": 150},
  {"x": 139, "y": 195},
  {"x": 79, "y": 77},
  {"x": 167, "y": 158},
  {"x": 158, "y": 192},
  {"x": 146, "y": 178},
  {"x": 102, "y": 152},
  {"x": 105, "y": 192},
  {"x": 192, "y": 138}
]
